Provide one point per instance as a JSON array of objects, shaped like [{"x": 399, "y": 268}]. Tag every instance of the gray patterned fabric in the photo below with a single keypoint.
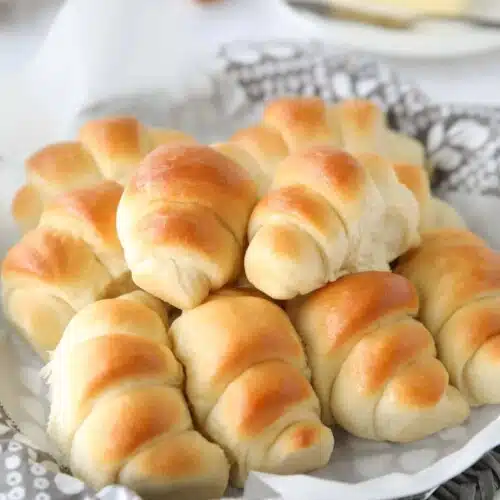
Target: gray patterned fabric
[{"x": 463, "y": 145}]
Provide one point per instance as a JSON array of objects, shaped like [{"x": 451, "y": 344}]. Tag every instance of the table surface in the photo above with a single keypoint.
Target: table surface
[{"x": 470, "y": 80}]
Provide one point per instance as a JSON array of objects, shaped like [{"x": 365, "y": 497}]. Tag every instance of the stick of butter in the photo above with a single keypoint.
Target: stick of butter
[{"x": 407, "y": 7}]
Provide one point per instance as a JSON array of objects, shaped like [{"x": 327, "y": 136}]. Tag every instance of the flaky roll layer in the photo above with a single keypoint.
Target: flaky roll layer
[
  {"x": 70, "y": 260},
  {"x": 118, "y": 414},
  {"x": 247, "y": 382},
  {"x": 182, "y": 222},
  {"x": 374, "y": 367},
  {"x": 327, "y": 214},
  {"x": 458, "y": 280},
  {"x": 107, "y": 148}
]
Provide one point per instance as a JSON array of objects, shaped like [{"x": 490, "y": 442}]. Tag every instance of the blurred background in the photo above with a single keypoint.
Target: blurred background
[{"x": 452, "y": 61}]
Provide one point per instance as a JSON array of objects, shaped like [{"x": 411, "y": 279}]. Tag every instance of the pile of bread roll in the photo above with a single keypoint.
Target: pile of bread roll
[{"x": 207, "y": 311}]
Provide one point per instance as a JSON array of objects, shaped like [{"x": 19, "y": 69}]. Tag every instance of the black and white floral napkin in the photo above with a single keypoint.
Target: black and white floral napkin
[{"x": 463, "y": 144}]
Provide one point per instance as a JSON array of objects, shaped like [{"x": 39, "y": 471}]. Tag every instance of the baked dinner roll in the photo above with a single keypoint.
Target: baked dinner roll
[
  {"x": 434, "y": 212},
  {"x": 53, "y": 170},
  {"x": 70, "y": 260},
  {"x": 247, "y": 382},
  {"x": 118, "y": 414},
  {"x": 373, "y": 365},
  {"x": 323, "y": 218},
  {"x": 458, "y": 279},
  {"x": 182, "y": 222},
  {"x": 401, "y": 148},
  {"x": 108, "y": 148}
]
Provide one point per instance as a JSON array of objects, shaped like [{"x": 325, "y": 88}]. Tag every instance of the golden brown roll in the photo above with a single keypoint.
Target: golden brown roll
[
  {"x": 108, "y": 148},
  {"x": 118, "y": 414},
  {"x": 118, "y": 144},
  {"x": 458, "y": 279},
  {"x": 71, "y": 259},
  {"x": 247, "y": 382},
  {"x": 373, "y": 365},
  {"x": 302, "y": 122},
  {"x": 288, "y": 124},
  {"x": 182, "y": 222},
  {"x": 53, "y": 170},
  {"x": 400, "y": 222},
  {"x": 322, "y": 218}
]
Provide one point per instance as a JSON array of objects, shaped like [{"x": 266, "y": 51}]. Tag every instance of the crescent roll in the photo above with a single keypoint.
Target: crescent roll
[
  {"x": 71, "y": 259},
  {"x": 327, "y": 214},
  {"x": 182, "y": 222},
  {"x": 374, "y": 367},
  {"x": 247, "y": 381}
]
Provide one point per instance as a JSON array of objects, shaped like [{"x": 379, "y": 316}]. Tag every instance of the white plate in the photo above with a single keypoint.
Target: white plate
[{"x": 432, "y": 40}]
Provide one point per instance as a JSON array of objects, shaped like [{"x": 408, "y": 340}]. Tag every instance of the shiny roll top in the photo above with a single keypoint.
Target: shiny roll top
[{"x": 182, "y": 222}]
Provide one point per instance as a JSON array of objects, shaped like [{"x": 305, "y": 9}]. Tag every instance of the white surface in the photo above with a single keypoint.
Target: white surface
[
  {"x": 23, "y": 25},
  {"x": 62, "y": 85}
]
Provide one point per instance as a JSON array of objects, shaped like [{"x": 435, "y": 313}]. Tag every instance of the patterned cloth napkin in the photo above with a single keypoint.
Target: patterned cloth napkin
[{"x": 463, "y": 144}]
